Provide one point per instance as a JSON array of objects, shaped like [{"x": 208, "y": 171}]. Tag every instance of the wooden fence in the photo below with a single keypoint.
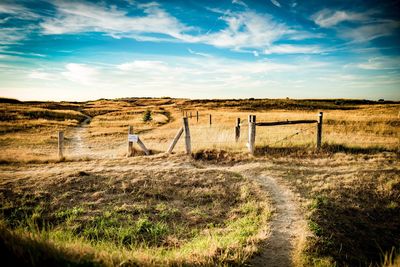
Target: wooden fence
[
  {"x": 253, "y": 124},
  {"x": 185, "y": 130}
]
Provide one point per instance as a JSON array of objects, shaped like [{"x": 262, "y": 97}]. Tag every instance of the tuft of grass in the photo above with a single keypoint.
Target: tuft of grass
[{"x": 341, "y": 148}]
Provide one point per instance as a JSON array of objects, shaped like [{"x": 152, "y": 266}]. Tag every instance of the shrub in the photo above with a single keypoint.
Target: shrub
[{"x": 147, "y": 116}]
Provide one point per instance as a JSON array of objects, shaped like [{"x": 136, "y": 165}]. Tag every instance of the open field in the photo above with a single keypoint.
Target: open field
[{"x": 338, "y": 205}]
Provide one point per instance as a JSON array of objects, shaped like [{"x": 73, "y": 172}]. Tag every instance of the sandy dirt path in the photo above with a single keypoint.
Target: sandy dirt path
[
  {"x": 287, "y": 226},
  {"x": 79, "y": 148}
]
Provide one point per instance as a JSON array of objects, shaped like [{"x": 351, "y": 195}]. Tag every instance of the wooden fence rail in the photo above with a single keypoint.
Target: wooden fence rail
[{"x": 276, "y": 123}]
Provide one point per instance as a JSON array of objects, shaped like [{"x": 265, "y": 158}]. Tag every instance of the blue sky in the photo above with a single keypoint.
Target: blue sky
[{"x": 80, "y": 50}]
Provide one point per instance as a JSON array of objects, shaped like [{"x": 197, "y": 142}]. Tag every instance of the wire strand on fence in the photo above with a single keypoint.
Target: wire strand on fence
[{"x": 290, "y": 136}]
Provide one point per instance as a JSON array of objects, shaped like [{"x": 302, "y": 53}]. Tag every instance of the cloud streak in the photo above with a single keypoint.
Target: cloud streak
[
  {"x": 276, "y": 3},
  {"x": 75, "y": 17},
  {"x": 327, "y": 17},
  {"x": 293, "y": 49}
]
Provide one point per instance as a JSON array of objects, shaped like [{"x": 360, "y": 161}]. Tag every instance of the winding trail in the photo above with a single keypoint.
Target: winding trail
[
  {"x": 78, "y": 146},
  {"x": 288, "y": 226}
]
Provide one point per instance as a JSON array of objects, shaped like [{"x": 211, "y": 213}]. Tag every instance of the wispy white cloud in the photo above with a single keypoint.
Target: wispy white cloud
[
  {"x": 73, "y": 17},
  {"x": 11, "y": 35},
  {"x": 276, "y": 3},
  {"x": 327, "y": 17},
  {"x": 370, "y": 32},
  {"x": 239, "y": 2},
  {"x": 14, "y": 34},
  {"x": 40, "y": 75},
  {"x": 368, "y": 24},
  {"x": 245, "y": 29},
  {"x": 193, "y": 74},
  {"x": 195, "y": 77},
  {"x": 144, "y": 65},
  {"x": 80, "y": 73},
  {"x": 380, "y": 63},
  {"x": 17, "y": 11},
  {"x": 293, "y": 49},
  {"x": 23, "y": 54},
  {"x": 198, "y": 53}
]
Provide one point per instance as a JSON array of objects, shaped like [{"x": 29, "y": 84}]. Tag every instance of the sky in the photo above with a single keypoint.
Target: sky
[{"x": 82, "y": 50}]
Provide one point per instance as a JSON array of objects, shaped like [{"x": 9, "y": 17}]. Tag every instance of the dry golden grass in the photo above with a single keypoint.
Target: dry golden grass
[
  {"x": 349, "y": 188},
  {"x": 353, "y": 202},
  {"x": 127, "y": 211},
  {"x": 363, "y": 126}
]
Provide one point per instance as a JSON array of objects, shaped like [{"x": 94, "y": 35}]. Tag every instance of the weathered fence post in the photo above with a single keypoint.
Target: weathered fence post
[
  {"x": 237, "y": 130},
  {"x": 130, "y": 144},
  {"x": 252, "y": 133},
  {"x": 186, "y": 114},
  {"x": 319, "y": 130},
  {"x": 190, "y": 114},
  {"x": 187, "y": 136},
  {"x": 60, "y": 144},
  {"x": 210, "y": 120},
  {"x": 176, "y": 138},
  {"x": 197, "y": 115}
]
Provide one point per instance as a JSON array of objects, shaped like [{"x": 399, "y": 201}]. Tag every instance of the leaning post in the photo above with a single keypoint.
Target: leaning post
[
  {"x": 210, "y": 120},
  {"x": 319, "y": 130},
  {"x": 142, "y": 146}
]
